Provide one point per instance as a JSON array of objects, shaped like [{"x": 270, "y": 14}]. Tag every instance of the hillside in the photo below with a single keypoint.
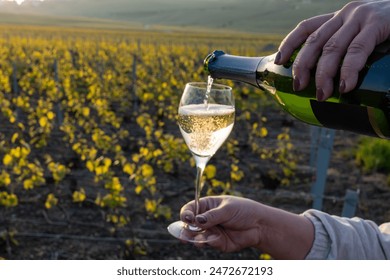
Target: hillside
[{"x": 260, "y": 16}]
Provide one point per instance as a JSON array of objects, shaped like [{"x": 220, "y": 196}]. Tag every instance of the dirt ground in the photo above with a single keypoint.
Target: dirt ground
[{"x": 73, "y": 231}]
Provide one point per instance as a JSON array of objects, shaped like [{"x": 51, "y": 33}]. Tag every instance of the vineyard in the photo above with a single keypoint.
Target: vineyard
[{"x": 93, "y": 165}]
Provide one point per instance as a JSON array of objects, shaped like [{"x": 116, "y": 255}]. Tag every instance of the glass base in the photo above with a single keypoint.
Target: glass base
[{"x": 193, "y": 234}]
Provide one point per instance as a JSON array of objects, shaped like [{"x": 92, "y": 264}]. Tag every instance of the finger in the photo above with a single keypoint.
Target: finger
[
  {"x": 356, "y": 57},
  {"x": 308, "y": 56},
  {"x": 332, "y": 54},
  {"x": 218, "y": 242},
  {"x": 187, "y": 216},
  {"x": 221, "y": 241},
  {"x": 187, "y": 212},
  {"x": 298, "y": 36},
  {"x": 217, "y": 239},
  {"x": 213, "y": 217}
]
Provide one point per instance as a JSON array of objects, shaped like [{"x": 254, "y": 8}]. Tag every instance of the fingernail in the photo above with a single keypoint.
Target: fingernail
[
  {"x": 201, "y": 219},
  {"x": 320, "y": 94},
  {"x": 188, "y": 218},
  {"x": 278, "y": 58},
  {"x": 296, "y": 84},
  {"x": 342, "y": 86}
]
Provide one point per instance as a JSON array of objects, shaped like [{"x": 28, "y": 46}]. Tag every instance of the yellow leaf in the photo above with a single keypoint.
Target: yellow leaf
[
  {"x": 116, "y": 185},
  {"x": 123, "y": 220},
  {"x": 21, "y": 126},
  {"x": 14, "y": 137},
  {"x": 8, "y": 199},
  {"x": 50, "y": 115},
  {"x": 12, "y": 200},
  {"x": 24, "y": 152},
  {"x": 118, "y": 148},
  {"x": 43, "y": 121},
  {"x": 99, "y": 170},
  {"x": 263, "y": 132},
  {"x": 157, "y": 153},
  {"x": 90, "y": 166},
  {"x": 79, "y": 196},
  {"x": 85, "y": 111},
  {"x": 146, "y": 170},
  {"x": 92, "y": 153},
  {"x": 138, "y": 189},
  {"x": 51, "y": 201},
  {"x": 112, "y": 218},
  {"x": 107, "y": 162},
  {"x": 76, "y": 147},
  {"x": 265, "y": 257},
  {"x": 7, "y": 159},
  {"x": 215, "y": 183},
  {"x": 15, "y": 152},
  {"x": 5, "y": 178},
  {"x": 236, "y": 174},
  {"x": 210, "y": 171},
  {"x": 144, "y": 151},
  {"x": 150, "y": 205},
  {"x": 128, "y": 169},
  {"x": 148, "y": 96},
  {"x": 135, "y": 158},
  {"x": 28, "y": 184}
]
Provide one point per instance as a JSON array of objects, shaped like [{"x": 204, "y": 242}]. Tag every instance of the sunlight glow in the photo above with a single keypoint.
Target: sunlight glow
[{"x": 19, "y": 2}]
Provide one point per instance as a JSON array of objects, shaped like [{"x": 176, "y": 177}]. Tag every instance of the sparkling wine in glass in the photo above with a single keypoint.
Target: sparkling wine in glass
[{"x": 206, "y": 117}]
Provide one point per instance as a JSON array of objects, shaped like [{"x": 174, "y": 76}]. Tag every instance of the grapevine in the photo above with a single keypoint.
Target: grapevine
[{"x": 89, "y": 118}]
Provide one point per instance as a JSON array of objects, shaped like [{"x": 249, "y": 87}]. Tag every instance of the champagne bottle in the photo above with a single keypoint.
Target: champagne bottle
[{"x": 364, "y": 110}]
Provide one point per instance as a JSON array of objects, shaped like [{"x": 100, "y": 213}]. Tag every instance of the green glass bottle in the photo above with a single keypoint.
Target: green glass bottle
[{"x": 365, "y": 110}]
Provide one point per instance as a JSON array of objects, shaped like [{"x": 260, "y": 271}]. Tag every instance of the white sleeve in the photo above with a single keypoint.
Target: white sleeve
[{"x": 344, "y": 238}]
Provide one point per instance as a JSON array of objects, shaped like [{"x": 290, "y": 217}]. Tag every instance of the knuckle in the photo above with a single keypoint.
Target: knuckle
[
  {"x": 352, "y": 5},
  {"x": 319, "y": 77},
  {"x": 305, "y": 26},
  {"x": 299, "y": 66},
  {"x": 345, "y": 72},
  {"x": 331, "y": 47},
  {"x": 348, "y": 70},
  {"x": 313, "y": 38},
  {"x": 357, "y": 48},
  {"x": 364, "y": 11}
]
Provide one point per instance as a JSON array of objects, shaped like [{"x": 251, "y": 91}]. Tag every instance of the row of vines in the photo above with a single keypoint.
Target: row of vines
[{"x": 88, "y": 117}]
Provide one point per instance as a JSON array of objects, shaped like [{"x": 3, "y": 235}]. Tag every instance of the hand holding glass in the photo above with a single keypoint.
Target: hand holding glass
[{"x": 206, "y": 118}]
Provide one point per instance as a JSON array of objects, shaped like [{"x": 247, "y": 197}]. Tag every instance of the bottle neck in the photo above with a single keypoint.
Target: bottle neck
[{"x": 239, "y": 68}]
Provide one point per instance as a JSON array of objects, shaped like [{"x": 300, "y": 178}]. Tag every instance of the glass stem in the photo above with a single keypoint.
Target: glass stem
[
  {"x": 198, "y": 187},
  {"x": 200, "y": 166}
]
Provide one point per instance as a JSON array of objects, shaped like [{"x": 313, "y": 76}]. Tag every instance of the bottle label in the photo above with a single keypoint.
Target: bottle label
[{"x": 350, "y": 117}]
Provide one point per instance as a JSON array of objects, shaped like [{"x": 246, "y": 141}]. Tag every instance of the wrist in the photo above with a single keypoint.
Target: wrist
[{"x": 284, "y": 235}]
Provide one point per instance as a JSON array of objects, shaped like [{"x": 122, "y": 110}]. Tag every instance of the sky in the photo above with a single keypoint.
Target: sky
[{"x": 19, "y": 2}]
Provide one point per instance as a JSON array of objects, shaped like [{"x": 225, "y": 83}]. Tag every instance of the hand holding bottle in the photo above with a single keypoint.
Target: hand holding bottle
[
  {"x": 346, "y": 37},
  {"x": 243, "y": 223}
]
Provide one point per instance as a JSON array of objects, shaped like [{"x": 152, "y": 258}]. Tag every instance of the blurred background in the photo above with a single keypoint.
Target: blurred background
[
  {"x": 93, "y": 165},
  {"x": 264, "y": 16}
]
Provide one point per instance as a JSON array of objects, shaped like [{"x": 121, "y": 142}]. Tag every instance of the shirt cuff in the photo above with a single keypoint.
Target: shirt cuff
[{"x": 322, "y": 243}]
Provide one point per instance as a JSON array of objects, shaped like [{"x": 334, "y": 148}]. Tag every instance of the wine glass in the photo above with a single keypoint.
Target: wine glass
[{"x": 206, "y": 118}]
